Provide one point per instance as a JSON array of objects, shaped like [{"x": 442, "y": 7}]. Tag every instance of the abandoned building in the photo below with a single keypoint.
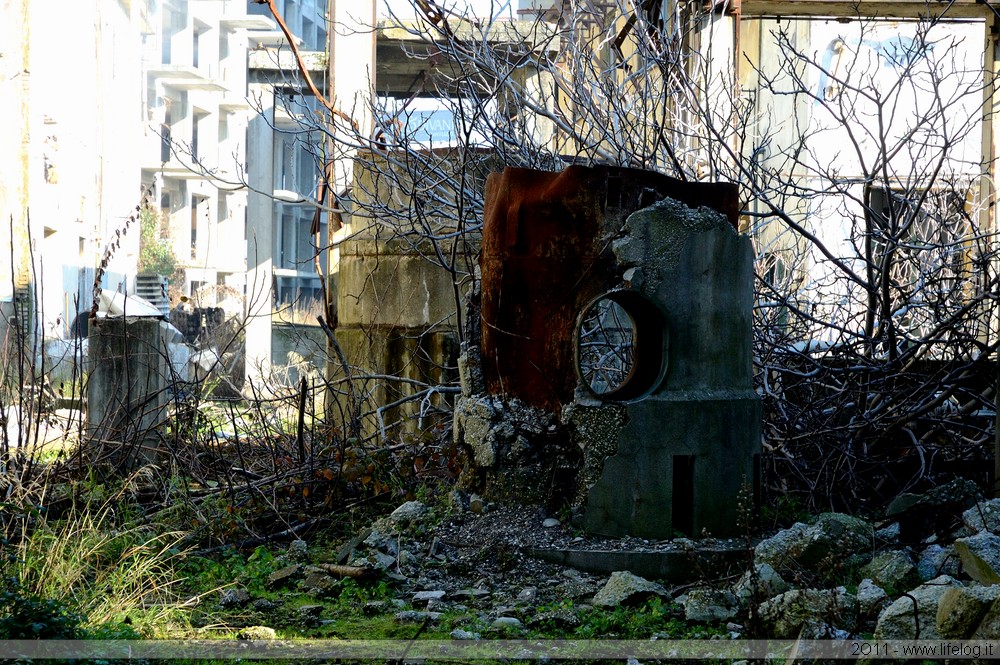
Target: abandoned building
[{"x": 564, "y": 312}]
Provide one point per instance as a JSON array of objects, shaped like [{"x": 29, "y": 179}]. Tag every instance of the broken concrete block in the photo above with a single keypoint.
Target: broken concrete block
[
  {"x": 871, "y": 598},
  {"x": 824, "y": 547},
  {"x": 937, "y": 560},
  {"x": 892, "y": 569},
  {"x": 814, "y": 610},
  {"x": 710, "y": 605},
  {"x": 980, "y": 555},
  {"x": 624, "y": 588},
  {"x": 760, "y": 584},
  {"x": 984, "y": 516},
  {"x": 961, "y": 610},
  {"x": 900, "y": 620},
  {"x": 408, "y": 513}
]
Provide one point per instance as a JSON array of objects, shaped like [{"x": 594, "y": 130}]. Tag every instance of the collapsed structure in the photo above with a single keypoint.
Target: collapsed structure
[{"x": 610, "y": 361}]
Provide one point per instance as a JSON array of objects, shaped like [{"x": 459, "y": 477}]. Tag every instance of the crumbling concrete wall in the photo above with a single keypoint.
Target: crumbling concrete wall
[
  {"x": 667, "y": 445},
  {"x": 397, "y": 310}
]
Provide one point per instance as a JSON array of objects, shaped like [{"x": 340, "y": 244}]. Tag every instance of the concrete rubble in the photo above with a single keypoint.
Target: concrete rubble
[{"x": 449, "y": 559}]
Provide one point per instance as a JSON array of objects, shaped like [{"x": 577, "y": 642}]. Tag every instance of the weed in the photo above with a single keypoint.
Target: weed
[
  {"x": 24, "y": 615},
  {"x": 206, "y": 574},
  {"x": 353, "y": 594},
  {"x": 88, "y": 560},
  {"x": 653, "y": 618}
]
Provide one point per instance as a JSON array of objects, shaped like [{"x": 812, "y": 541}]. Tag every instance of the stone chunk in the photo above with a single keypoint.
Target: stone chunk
[
  {"x": 980, "y": 555},
  {"x": 474, "y": 593},
  {"x": 509, "y": 623},
  {"x": 871, "y": 598},
  {"x": 476, "y": 505},
  {"x": 298, "y": 550},
  {"x": 762, "y": 583},
  {"x": 459, "y": 634},
  {"x": 237, "y": 597},
  {"x": 962, "y": 609},
  {"x": 264, "y": 605},
  {"x": 319, "y": 583},
  {"x": 560, "y": 617},
  {"x": 309, "y": 614},
  {"x": 284, "y": 575},
  {"x": 984, "y": 516},
  {"x": 408, "y": 513},
  {"x": 892, "y": 569},
  {"x": 901, "y": 619},
  {"x": 815, "y": 612},
  {"x": 624, "y": 588},
  {"x": 413, "y": 616},
  {"x": 253, "y": 633},
  {"x": 989, "y": 627},
  {"x": 710, "y": 605},
  {"x": 936, "y": 560},
  {"x": 428, "y": 596},
  {"x": 824, "y": 547}
]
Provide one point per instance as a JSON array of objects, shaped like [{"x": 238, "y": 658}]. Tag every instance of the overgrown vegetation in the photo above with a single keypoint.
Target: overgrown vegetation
[
  {"x": 156, "y": 253},
  {"x": 874, "y": 349}
]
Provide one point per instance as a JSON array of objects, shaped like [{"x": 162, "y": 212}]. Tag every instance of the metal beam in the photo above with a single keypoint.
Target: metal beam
[{"x": 903, "y": 9}]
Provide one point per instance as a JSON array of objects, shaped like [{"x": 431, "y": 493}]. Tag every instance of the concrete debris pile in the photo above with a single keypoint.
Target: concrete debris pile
[{"x": 836, "y": 576}]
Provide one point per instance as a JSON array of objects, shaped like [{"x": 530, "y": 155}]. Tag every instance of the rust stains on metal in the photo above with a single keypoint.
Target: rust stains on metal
[{"x": 546, "y": 254}]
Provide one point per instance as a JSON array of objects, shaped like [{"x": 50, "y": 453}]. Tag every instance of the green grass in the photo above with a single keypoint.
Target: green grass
[
  {"x": 89, "y": 562},
  {"x": 97, "y": 572}
]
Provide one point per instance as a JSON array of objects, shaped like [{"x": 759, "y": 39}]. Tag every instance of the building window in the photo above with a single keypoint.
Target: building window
[
  {"x": 927, "y": 240},
  {"x": 196, "y": 127},
  {"x": 197, "y": 208}
]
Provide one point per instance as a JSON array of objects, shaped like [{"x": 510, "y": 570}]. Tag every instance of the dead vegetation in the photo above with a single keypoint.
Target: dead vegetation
[{"x": 875, "y": 350}]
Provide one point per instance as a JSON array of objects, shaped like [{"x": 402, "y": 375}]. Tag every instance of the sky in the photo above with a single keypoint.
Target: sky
[{"x": 502, "y": 8}]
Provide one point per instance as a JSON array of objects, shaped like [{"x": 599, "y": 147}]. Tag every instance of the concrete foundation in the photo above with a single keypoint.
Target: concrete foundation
[{"x": 126, "y": 391}]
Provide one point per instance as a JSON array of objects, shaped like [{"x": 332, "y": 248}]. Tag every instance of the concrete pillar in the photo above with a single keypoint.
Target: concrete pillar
[
  {"x": 397, "y": 312},
  {"x": 126, "y": 390},
  {"x": 687, "y": 450},
  {"x": 260, "y": 238}
]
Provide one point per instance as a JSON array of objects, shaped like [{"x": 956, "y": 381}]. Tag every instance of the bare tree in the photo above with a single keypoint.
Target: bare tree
[{"x": 862, "y": 174}]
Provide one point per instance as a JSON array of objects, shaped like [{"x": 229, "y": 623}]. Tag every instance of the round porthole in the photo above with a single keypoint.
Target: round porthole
[{"x": 621, "y": 346}]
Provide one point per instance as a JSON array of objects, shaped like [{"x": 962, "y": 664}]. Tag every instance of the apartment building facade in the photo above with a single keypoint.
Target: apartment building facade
[{"x": 195, "y": 119}]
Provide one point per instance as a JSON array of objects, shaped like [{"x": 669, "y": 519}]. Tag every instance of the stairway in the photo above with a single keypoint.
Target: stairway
[{"x": 153, "y": 288}]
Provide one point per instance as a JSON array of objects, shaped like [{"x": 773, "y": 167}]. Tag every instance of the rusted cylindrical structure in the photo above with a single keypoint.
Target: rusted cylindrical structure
[
  {"x": 546, "y": 253},
  {"x": 615, "y": 351}
]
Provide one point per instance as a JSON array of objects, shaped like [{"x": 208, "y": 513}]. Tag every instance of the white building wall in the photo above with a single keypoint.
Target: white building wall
[
  {"x": 201, "y": 96},
  {"x": 84, "y": 170}
]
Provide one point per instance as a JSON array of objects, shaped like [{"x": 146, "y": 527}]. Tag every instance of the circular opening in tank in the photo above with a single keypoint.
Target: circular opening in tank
[
  {"x": 607, "y": 347},
  {"x": 620, "y": 346}
]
